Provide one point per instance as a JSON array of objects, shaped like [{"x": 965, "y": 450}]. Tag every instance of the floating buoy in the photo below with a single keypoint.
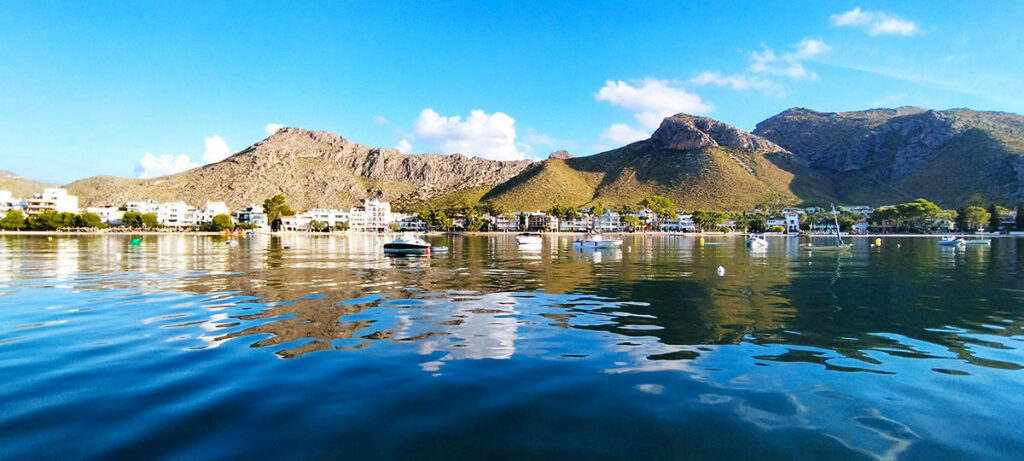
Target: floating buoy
[
  {"x": 721, "y": 271},
  {"x": 701, "y": 241},
  {"x": 878, "y": 242},
  {"x": 49, "y": 238},
  {"x": 136, "y": 241}
]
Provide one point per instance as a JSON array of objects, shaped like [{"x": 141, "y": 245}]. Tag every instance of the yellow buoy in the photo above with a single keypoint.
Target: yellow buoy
[
  {"x": 878, "y": 242},
  {"x": 701, "y": 241}
]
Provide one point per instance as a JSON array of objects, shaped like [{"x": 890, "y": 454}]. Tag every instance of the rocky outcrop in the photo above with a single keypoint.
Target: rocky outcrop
[
  {"x": 560, "y": 155},
  {"x": 313, "y": 169},
  {"x": 898, "y": 148},
  {"x": 687, "y": 132}
]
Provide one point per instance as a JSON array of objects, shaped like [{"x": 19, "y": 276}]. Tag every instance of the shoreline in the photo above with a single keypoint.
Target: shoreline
[{"x": 489, "y": 233}]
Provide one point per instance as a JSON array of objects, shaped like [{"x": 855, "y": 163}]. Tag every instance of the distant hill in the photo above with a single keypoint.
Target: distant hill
[
  {"x": 695, "y": 161},
  {"x": 313, "y": 169},
  {"x": 883, "y": 156},
  {"x": 20, "y": 187}
]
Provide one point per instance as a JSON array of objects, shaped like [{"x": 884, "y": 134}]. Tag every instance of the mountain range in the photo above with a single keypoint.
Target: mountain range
[{"x": 800, "y": 156}]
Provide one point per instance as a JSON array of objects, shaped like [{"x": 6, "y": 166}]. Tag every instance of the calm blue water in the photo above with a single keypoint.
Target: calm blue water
[{"x": 323, "y": 348}]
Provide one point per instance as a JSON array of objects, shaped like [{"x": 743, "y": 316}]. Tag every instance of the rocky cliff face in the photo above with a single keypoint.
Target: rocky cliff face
[
  {"x": 313, "y": 169},
  {"x": 904, "y": 149},
  {"x": 687, "y": 132}
]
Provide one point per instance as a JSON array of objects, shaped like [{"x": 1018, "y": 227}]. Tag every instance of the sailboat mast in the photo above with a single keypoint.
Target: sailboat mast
[{"x": 836, "y": 217}]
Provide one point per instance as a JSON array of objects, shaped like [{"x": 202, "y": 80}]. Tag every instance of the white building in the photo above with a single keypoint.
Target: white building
[
  {"x": 147, "y": 207},
  {"x": 107, "y": 214},
  {"x": 175, "y": 214},
  {"x": 207, "y": 213},
  {"x": 684, "y": 223},
  {"x": 791, "y": 221},
  {"x": 610, "y": 221},
  {"x": 581, "y": 224},
  {"x": 52, "y": 199},
  {"x": 8, "y": 202},
  {"x": 505, "y": 223},
  {"x": 253, "y": 214},
  {"x": 330, "y": 216},
  {"x": 294, "y": 223},
  {"x": 411, "y": 223}
]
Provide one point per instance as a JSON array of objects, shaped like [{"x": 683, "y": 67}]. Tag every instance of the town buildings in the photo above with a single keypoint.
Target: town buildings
[{"x": 52, "y": 199}]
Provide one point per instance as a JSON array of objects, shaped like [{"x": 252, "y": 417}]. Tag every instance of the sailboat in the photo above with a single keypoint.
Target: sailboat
[{"x": 839, "y": 246}]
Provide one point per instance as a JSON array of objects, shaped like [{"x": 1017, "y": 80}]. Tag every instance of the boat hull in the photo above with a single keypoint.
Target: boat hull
[{"x": 595, "y": 245}]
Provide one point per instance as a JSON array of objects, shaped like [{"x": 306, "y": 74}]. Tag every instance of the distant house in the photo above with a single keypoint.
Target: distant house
[
  {"x": 581, "y": 224},
  {"x": 207, "y": 213},
  {"x": 505, "y": 223},
  {"x": 175, "y": 214},
  {"x": 684, "y": 223},
  {"x": 8, "y": 202},
  {"x": 147, "y": 207},
  {"x": 540, "y": 221},
  {"x": 253, "y": 214},
  {"x": 411, "y": 223},
  {"x": 610, "y": 221},
  {"x": 331, "y": 217},
  {"x": 861, "y": 227},
  {"x": 297, "y": 222},
  {"x": 108, "y": 214},
  {"x": 52, "y": 199},
  {"x": 773, "y": 221}
]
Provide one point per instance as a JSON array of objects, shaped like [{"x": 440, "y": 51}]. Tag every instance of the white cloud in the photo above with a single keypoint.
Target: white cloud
[
  {"x": 151, "y": 166},
  {"x": 788, "y": 64},
  {"x": 216, "y": 150},
  {"x": 491, "y": 136},
  {"x": 736, "y": 82},
  {"x": 764, "y": 64},
  {"x": 380, "y": 120},
  {"x": 652, "y": 100},
  {"x": 404, "y": 147},
  {"x": 622, "y": 134},
  {"x": 875, "y": 22},
  {"x": 539, "y": 138},
  {"x": 272, "y": 128}
]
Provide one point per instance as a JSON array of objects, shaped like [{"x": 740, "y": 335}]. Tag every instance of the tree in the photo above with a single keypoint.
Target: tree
[
  {"x": 475, "y": 224},
  {"x": 708, "y": 219},
  {"x": 597, "y": 210},
  {"x": 149, "y": 220},
  {"x": 494, "y": 208},
  {"x": 971, "y": 218},
  {"x": 564, "y": 212},
  {"x": 14, "y": 220},
  {"x": 918, "y": 215},
  {"x": 90, "y": 220},
  {"x": 662, "y": 206},
  {"x": 394, "y": 227},
  {"x": 275, "y": 207},
  {"x": 223, "y": 222},
  {"x": 627, "y": 209},
  {"x": 342, "y": 226},
  {"x": 132, "y": 219},
  {"x": 524, "y": 221},
  {"x": 319, "y": 226},
  {"x": 632, "y": 221},
  {"x": 1019, "y": 222},
  {"x": 776, "y": 229},
  {"x": 996, "y": 213},
  {"x": 51, "y": 220}
]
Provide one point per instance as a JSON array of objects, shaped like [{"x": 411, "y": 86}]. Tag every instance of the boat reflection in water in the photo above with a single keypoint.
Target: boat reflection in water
[{"x": 841, "y": 355}]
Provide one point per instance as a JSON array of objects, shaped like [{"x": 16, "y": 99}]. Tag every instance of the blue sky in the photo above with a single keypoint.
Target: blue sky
[{"x": 144, "y": 88}]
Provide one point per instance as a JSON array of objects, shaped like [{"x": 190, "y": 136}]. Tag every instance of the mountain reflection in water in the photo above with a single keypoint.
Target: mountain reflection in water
[{"x": 651, "y": 312}]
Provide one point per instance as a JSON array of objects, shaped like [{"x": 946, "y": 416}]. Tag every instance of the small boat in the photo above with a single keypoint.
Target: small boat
[
  {"x": 438, "y": 249},
  {"x": 978, "y": 241},
  {"x": 839, "y": 246},
  {"x": 529, "y": 239},
  {"x": 596, "y": 241},
  {"x": 407, "y": 245},
  {"x": 952, "y": 242},
  {"x": 757, "y": 242}
]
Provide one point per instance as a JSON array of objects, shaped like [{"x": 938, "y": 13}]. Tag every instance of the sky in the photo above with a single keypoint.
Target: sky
[{"x": 142, "y": 88}]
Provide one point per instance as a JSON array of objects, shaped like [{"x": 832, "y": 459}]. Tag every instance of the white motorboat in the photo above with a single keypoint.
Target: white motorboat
[
  {"x": 952, "y": 242},
  {"x": 407, "y": 245},
  {"x": 596, "y": 241},
  {"x": 529, "y": 239},
  {"x": 978, "y": 241},
  {"x": 757, "y": 242}
]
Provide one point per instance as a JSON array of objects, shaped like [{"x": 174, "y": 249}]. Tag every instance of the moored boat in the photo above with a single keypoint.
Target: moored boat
[
  {"x": 978, "y": 241},
  {"x": 839, "y": 246},
  {"x": 952, "y": 242},
  {"x": 529, "y": 239},
  {"x": 757, "y": 242},
  {"x": 596, "y": 241},
  {"x": 407, "y": 245}
]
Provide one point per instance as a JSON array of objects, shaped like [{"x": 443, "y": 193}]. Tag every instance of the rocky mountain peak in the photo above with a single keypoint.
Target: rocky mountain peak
[
  {"x": 688, "y": 132},
  {"x": 560, "y": 155}
]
